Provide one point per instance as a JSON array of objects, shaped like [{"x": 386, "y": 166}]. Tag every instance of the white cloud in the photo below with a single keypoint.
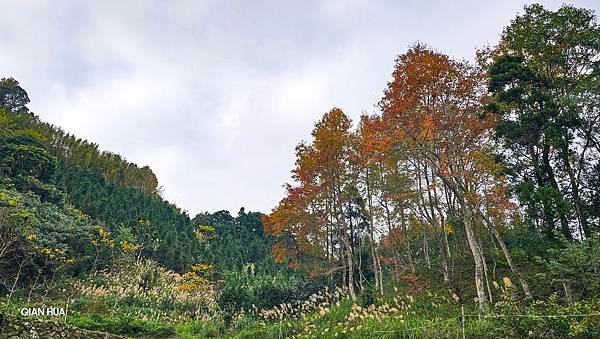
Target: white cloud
[{"x": 215, "y": 95}]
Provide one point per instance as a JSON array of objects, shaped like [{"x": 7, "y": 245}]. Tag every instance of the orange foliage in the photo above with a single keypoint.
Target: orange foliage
[
  {"x": 279, "y": 252},
  {"x": 433, "y": 120},
  {"x": 301, "y": 219}
]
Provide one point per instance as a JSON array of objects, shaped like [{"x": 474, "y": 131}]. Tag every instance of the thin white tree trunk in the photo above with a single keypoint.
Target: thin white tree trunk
[
  {"x": 472, "y": 241},
  {"x": 507, "y": 255}
]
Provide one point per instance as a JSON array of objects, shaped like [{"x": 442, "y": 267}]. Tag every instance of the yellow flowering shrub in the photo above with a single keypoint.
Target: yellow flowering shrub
[
  {"x": 127, "y": 246},
  {"x": 103, "y": 238}
]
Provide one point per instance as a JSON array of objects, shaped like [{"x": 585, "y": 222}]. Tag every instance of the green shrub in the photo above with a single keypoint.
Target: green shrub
[
  {"x": 248, "y": 290},
  {"x": 121, "y": 325}
]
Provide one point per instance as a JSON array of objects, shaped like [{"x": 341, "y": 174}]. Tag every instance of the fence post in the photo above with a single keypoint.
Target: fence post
[{"x": 462, "y": 316}]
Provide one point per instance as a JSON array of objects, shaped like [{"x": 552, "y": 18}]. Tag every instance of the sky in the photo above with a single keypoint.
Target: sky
[{"x": 215, "y": 95}]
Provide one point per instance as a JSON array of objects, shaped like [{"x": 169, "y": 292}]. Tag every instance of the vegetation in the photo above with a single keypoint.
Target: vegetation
[{"x": 466, "y": 207}]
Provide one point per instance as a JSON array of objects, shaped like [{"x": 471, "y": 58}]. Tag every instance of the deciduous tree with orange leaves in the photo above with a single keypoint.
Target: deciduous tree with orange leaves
[
  {"x": 313, "y": 219},
  {"x": 435, "y": 107}
]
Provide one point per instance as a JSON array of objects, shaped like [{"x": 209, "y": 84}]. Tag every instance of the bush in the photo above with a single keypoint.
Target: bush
[
  {"x": 121, "y": 325},
  {"x": 246, "y": 290},
  {"x": 573, "y": 267}
]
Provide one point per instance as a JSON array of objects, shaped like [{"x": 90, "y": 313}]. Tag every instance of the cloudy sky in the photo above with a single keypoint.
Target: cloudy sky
[{"x": 214, "y": 95}]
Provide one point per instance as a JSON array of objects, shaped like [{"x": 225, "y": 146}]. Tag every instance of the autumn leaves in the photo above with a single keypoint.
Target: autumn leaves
[{"x": 426, "y": 158}]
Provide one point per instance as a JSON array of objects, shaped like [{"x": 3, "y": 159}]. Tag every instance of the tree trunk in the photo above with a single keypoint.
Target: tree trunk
[
  {"x": 360, "y": 272},
  {"x": 479, "y": 284},
  {"x": 375, "y": 266},
  {"x": 380, "y": 276},
  {"x": 564, "y": 222},
  {"x": 406, "y": 241},
  {"x": 374, "y": 251},
  {"x": 485, "y": 272},
  {"x": 568, "y": 294},
  {"x": 507, "y": 255},
  {"x": 442, "y": 240},
  {"x": 583, "y": 227},
  {"x": 350, "y": 272},
  {"x": 426, "y": 249},
  {"x": 14, "y": 285},
  {"x": 447, "y": 255},
  {"x": 390, "y": 231}
]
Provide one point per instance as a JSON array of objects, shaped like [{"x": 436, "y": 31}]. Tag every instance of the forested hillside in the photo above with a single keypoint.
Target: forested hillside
[
  {"x": 466, "y": 205},
  {"x": 64, "y": 172},
  {"x": 72, "y": 215}
]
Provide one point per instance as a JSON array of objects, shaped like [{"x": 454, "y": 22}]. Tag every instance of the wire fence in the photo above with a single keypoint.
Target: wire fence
[{"x": 462, "y": 319}]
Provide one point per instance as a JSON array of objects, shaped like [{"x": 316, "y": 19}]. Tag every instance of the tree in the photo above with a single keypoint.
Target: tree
[
  {"x": 315, "y": 218},
  {"x": 12, "y": 96},
  {"x": 544, "y": 81},
  {"x": 434, "y": 107}
]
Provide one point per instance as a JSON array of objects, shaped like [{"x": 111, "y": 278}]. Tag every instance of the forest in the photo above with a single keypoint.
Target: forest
[{"x": 466, "y": 205}]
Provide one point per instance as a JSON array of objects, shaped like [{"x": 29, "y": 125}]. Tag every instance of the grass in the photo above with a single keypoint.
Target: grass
[
  {"x": 199, "y": 329},
  {"x": 393, "y": 316},
  {"x": 121, "y": 325},
  {"x": 428, "y": 316}
]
